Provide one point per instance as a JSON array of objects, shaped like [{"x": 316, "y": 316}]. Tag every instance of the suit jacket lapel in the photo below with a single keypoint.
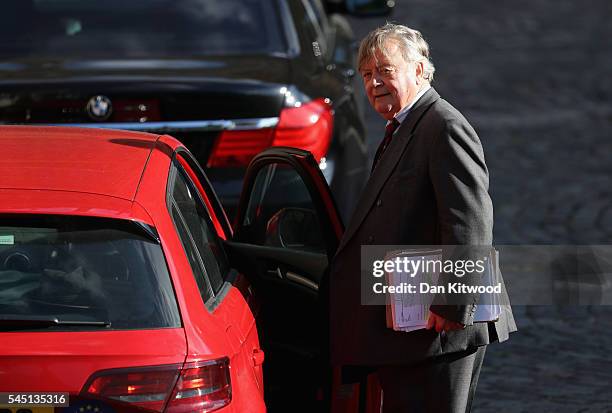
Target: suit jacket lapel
[{"x": 387, "y": 163}]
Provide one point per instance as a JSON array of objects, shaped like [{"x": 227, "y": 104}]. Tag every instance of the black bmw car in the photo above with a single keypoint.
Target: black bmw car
[{"x": 228, "y": 78}]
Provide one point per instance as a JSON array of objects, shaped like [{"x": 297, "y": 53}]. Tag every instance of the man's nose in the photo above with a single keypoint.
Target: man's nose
[{"x": 376, "y": 81}]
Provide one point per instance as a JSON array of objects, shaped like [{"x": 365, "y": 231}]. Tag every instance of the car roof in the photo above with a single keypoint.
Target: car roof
[{"x": 87, "y": 160}]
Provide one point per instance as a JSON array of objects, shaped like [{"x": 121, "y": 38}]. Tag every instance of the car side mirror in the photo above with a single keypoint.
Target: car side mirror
[{"x": 295, "y": 228}]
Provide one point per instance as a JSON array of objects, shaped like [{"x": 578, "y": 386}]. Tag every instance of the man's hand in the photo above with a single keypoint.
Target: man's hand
[{"x": 442, "y": 324}]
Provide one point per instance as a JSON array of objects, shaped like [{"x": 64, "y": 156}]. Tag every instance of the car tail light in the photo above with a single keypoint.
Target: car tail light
[
  {"x": 308, "y": 126},
  {"x": 202, "y": 387},
  {"x": 238, "y": 147}
]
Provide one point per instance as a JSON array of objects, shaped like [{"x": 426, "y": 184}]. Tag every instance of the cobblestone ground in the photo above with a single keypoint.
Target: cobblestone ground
[{"x": 533, "y": 78}]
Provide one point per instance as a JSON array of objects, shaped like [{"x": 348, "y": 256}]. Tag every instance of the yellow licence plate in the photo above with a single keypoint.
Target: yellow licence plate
[{"x": 13, "y": 408}]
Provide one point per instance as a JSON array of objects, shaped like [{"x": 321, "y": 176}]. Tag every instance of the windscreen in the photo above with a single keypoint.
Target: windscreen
[
  {"x": 119, "y": 29},
  {"x": 82, "y": 272}
]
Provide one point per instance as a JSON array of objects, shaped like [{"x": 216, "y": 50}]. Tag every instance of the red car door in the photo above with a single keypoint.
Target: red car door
[{"x": 286, "y": 233}]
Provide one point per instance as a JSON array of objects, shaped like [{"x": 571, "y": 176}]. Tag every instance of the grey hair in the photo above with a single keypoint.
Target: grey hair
[{"x": 412, "y": 45}]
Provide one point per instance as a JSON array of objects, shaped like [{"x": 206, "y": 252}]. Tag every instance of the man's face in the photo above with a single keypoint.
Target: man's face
[{"x": 390, "y": 82}]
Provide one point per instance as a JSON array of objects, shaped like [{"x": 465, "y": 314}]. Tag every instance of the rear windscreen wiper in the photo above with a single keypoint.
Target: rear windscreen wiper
[{"x": 20, "y": 322}]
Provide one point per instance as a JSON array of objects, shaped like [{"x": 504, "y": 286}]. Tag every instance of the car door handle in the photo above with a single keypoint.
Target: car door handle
[
  {"x": 301, "y": 280},
  {"x": 258, "y": 357}
]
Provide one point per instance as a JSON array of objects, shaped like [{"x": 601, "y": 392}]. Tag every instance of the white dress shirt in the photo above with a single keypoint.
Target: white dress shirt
[{"x": 401, "y": 115}]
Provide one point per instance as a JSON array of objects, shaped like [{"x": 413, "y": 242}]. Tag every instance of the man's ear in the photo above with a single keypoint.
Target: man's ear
[{"x": 419, "y": 69}]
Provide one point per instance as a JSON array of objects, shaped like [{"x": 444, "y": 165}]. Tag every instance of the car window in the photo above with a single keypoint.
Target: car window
[
  {"x": 280, "y": 211},
  {"x": 84, "y": 270},
  {"x": 205, "y": 190},
  {"x": 139, "y": 28},
  {"x": 197, "y": 267},
  {"x": 201, "y": 242}
]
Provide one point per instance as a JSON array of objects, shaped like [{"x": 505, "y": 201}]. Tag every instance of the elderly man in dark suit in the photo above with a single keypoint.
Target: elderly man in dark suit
[{"x": 428, "y": 186}]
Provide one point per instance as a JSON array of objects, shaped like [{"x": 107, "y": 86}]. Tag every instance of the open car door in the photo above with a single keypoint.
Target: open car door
[{"x": 286, "y": 232}]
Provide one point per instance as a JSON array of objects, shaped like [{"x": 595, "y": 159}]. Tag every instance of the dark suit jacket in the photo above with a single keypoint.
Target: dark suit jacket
[{"x": 430, "y": 187}]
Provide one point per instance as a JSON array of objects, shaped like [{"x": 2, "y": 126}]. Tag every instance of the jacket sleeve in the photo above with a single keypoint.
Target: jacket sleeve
[{"x": 460, "y": 182}]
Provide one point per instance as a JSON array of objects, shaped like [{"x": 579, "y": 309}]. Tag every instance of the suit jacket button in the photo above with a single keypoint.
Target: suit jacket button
[
  {"x": 379, "y": 202},
  {"x": 370, "y": 239}
]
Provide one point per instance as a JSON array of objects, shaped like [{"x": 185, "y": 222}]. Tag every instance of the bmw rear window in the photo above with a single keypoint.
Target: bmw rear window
[
  {"x": 67, "y": 272},
  {"x": 118, "y": 29}
]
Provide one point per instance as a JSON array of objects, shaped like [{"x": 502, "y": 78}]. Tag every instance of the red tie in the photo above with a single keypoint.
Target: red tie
[{"x": 389, "y": 129}]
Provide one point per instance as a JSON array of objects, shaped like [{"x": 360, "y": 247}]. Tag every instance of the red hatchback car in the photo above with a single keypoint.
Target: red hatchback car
[{"x": 123, "y": 284}]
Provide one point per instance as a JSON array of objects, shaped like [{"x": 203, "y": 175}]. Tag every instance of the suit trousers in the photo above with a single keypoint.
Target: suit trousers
[{"x": 441, "y": 384}]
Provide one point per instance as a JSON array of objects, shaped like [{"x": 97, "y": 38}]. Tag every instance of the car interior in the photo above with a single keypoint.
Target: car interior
[{"x": 77, "y": 271}]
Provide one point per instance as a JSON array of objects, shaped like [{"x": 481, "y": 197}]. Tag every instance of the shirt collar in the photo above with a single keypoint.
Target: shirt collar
[{"x": 401, "y": 115}]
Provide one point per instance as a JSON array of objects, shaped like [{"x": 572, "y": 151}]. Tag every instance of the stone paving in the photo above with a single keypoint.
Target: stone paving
[{"x": 533, "y": 78}]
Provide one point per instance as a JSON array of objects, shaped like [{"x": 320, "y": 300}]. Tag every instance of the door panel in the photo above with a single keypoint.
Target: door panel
[
  {"x": 287, "y": 231},
  {"x": 311, "y": 266}
]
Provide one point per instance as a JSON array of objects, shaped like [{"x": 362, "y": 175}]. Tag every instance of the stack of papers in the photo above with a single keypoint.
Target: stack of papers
[{"x": 409, "y": 312}]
